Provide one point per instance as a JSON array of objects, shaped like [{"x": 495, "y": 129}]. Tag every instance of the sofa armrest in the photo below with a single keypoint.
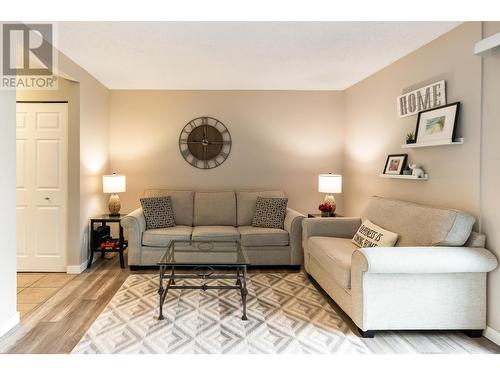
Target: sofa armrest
[
  {"x": 134, "y": 221},
  {"x": 292, "y": 220},
  {"x": 342, "y": 227},
  {"x": 293, "y": 225},
  {"x": 135, "y": 224},
  {"x": 417, "y": 260}
]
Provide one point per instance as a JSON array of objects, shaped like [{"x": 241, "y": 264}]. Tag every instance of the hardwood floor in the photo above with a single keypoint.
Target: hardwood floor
[{"x": 57, "y": 325}]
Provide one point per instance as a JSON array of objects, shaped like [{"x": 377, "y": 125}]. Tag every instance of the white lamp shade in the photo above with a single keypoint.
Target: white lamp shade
[
  {"x": 330, "y": 183},
  {"x": 113, "y": 183}
]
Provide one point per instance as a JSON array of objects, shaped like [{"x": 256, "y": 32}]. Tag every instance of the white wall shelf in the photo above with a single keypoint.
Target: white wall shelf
[
  {"x": 458, "y": 141},
  {"x": 487, "y": 44},
  {"x": 405, "y": 177}
]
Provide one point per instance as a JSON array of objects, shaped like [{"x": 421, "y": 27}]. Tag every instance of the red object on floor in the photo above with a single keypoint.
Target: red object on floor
[{"x": 109, "y": 245}]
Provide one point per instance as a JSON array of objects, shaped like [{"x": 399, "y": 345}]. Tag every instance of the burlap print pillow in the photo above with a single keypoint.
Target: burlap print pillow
[
  {"x": 270, "y": 212},
  {"x": 371, "y": 235},
  {"x": 158, "y": 212}
]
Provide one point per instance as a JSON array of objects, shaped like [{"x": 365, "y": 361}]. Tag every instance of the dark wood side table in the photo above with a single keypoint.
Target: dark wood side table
[
  {"x": 319, "y": 215},
  {"x": 95, "y": 247}
]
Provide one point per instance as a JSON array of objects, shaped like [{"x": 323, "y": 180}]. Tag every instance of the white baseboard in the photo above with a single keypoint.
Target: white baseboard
[
  {"x": 492, "y": 335},
  {"x": 75, "y": 270},
  {"x": 9, "y": 324}
]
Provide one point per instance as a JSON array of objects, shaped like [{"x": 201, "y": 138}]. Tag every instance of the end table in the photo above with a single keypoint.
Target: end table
[
  {"x": 95, "y": 247},
  {"x": 318, "y": 215}
]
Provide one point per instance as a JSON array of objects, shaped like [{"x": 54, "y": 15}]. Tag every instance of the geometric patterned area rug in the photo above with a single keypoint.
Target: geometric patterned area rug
[{"x": 286, "y": 314}]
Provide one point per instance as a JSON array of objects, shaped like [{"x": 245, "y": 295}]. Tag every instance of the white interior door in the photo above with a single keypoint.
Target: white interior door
[{"x": 41, "y": 185}]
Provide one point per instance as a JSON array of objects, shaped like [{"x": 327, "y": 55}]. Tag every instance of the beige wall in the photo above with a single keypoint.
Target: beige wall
[
  {"x": 280, "y": 140},
  {"x": 94, "y": 146},
  {"x": 8, "y": 210},
  {"x": 67, "y": 91},
  {"x": 490, "y": 172},
  {"x": 374, "y": 129}
]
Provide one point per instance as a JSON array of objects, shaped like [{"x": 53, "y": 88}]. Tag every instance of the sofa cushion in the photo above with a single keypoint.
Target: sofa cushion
[
  {"x": 334, "y": 255},
  {"x": 253, "y": 236},
  {"x": 246, "y": 201},
  {"x": 419, "y": 225},
  {"x": 215, "y": 233},
  {"x": 162, "y": 237},
  {"x": 270, "y": 212},
  {"x": 158, "y": 212},
  {"x": 215, "y": 208},
  {"x": 182, "y": 203}
]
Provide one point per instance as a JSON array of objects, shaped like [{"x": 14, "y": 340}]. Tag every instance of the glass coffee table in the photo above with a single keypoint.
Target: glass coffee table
[{"x": 203, "y": 258}]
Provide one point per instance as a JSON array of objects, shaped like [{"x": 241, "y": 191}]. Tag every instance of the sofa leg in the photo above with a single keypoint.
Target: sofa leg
[
  {"x": 475, "y": 333},
  {"x": 366, "y": 334}
]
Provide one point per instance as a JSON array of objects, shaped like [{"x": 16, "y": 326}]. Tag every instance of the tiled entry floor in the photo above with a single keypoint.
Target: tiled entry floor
[{"x": 33, "y": 289}]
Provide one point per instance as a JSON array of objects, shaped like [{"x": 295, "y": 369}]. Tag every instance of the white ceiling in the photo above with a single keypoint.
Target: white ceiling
[{"x": 240, "y": 55}]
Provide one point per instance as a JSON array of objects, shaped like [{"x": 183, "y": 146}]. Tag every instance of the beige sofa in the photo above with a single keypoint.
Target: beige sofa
[
  {"x": 216, "y": 215},
  {"x": 435, "y": 277}
]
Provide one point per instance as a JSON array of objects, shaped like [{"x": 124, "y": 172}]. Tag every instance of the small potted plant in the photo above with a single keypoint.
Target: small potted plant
[
  {"x": 410, "y": 138},
  {"x": 326, "y": 209}
]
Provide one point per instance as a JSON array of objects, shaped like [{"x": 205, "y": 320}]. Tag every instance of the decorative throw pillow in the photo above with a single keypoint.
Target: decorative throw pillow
[
  {"x": 158, "y": 212},
  {"x": 269, "y": 212},
  {"x": 371, "y": 235}
]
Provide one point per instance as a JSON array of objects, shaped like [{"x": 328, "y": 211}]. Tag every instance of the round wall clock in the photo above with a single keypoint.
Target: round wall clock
[{"x": 205, "y": 142}]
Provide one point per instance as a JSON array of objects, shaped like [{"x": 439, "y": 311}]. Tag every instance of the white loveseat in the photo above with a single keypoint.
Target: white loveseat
[
  {"x": 435, "y": 277},
  {"x": 217, "y": 216}
]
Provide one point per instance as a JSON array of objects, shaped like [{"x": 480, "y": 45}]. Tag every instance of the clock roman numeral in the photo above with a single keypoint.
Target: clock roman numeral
[
  {"x": 189, "y": 127},
  {"x": 194, "y": 162}
]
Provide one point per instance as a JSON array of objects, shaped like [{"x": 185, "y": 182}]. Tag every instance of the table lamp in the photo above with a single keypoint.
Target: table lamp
[
  {"x": 113, "y": 184},
  {"x": 330, "y": 184}
]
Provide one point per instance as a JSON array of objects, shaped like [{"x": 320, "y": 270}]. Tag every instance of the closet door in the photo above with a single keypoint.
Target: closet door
[{"x": 41, "y": 183}]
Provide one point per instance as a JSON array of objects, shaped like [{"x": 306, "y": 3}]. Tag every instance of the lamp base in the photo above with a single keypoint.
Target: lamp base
[
  {"x": 114, "y": 205},
  {"x": 330, "y": 199}
]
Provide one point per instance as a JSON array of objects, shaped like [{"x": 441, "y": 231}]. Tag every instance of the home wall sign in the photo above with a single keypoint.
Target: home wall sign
[
  {"x": 422, "y": 99},
  {"x": 205, "y": 142}
]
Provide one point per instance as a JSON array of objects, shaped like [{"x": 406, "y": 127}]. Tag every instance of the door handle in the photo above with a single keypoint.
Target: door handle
[{"x": 47, "y": 199}]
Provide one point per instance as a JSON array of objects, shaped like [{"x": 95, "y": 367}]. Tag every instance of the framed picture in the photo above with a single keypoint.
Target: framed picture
[
  {"x": 437, "y": 125},
  {"x": 395, "y": 164}
]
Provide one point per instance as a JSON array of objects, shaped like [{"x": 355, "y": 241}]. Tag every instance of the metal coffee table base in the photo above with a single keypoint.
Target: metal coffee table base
[{"x": 207, "y": 274}]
